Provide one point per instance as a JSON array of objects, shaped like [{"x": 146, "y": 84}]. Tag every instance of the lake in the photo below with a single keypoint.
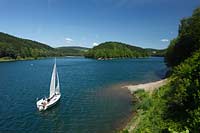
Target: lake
[{"x": 92, "y": 98}]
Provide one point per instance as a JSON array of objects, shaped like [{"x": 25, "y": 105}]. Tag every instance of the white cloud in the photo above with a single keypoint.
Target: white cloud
[
  {"x": 95, "y": 44},
  {"x": 69, "y": 39},
  {"x": 164, "y": 40}
]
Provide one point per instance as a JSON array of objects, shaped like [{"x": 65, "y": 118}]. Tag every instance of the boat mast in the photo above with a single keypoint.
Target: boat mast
[{"x": 53, "y": 81}]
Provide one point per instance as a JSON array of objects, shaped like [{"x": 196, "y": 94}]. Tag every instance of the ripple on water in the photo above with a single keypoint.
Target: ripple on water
[{"x": 92, "y": 98}]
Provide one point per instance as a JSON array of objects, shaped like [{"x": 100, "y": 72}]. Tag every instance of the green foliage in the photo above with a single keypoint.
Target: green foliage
[
  {"x": 72, "y": 51},
  {"x": 170, "y": 54},
  {"x": 156, "y": 52},
  {"x": 125, "y": 131},
  {"x": 14, "y": 47},
  {"x": 175, "y": 107},
  {"x": 173, "y": 131},
  {"x": 144, "y": 100},
  {"x": 184, "y": 97},
  {"x": 119, "y": 50},
  {"x": 17, "y": 48},
  {"x": 187, "y": 42},
  {"x": 151, "y": 110}
]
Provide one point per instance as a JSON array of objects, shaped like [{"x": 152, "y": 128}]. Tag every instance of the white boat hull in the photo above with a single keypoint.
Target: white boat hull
[{"x": 44, "y": 104}]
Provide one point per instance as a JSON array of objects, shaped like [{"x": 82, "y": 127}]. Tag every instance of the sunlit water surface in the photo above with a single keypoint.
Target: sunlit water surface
[{"x": 92, "y": 98}]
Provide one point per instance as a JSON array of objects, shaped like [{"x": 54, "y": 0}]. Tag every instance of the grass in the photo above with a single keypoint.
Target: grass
[{"x": 149, "y": 108}]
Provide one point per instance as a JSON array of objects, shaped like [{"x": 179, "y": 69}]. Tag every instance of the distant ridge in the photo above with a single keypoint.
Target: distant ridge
[
  {"x": 109, "y": 50},
  {"x": 72, "y": 50},
  {"x": 15, "y": 48}
]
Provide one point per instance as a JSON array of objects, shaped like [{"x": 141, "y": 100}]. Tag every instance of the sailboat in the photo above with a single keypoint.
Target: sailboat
[{"x": 54, "y": 95}]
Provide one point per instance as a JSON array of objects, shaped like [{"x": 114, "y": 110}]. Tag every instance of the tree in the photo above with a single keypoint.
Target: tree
[{"x": 187, "y": 42}]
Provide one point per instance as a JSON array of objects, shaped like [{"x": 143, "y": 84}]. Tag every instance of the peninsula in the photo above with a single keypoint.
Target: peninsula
[{"x": 109, "y": 50}]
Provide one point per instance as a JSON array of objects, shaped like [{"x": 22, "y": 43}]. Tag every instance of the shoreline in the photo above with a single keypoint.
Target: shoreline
[
  {"x": 148, "y": 87},
  {"x": 20, "y": 59},
  {"x": 27, "y": 59}
]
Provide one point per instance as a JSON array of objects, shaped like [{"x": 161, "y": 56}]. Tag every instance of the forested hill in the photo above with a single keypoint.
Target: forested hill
[
  {"x": 120, "y": 50},
  {"x": 15, "y": 47},
  {"x": 73, "y": 51},
  {"x": 12, "y": 47}
]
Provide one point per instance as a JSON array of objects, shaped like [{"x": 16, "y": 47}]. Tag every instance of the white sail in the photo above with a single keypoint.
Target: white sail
[
  {"x": 53, "y": 82},
  {"x": 54, "y": 95},
  {"x": 58, "y": 85}
]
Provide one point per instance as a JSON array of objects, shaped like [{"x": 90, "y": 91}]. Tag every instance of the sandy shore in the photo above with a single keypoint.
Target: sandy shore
[{"x": 147, "y": 86}]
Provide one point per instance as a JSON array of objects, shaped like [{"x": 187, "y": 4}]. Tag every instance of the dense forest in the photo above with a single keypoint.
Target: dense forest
[
  {"x": 175, "y": 107},
  {"x": 14, "y": 48},
  {"x": 108, "y": 50},
  {"x": 72, "y": 51},
  {"x": 17, "y": 48}
]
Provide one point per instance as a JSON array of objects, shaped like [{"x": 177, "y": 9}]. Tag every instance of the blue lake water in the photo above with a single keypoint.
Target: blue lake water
[{"x": 92, "y": 98}]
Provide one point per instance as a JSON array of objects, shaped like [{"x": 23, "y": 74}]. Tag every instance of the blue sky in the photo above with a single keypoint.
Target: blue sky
[{"x": 144, "y": 23}]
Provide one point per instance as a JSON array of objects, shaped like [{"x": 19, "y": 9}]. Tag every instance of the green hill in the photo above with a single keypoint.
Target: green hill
[
  {"x": 156, "y": 52},
  {"x": 120, "y": 50},
  {"x": 72, "y": 51},
  {"x": 14, "y": 48}
]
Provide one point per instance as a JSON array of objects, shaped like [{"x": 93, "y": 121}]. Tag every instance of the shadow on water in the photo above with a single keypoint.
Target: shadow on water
[{"x": 122, "y": 102}]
